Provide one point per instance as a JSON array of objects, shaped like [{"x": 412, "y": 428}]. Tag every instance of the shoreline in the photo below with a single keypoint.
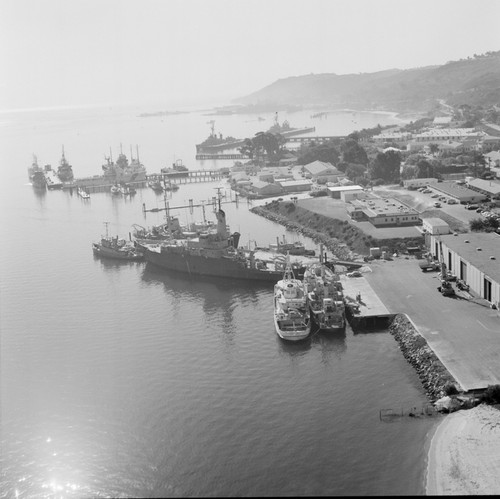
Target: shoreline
[{"x": 463, "y": 455}]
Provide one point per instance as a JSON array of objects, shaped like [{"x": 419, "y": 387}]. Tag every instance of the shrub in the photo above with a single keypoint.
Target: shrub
[
  {"x": 492, "y": 394},
  {"x": 450, "y": 388}
]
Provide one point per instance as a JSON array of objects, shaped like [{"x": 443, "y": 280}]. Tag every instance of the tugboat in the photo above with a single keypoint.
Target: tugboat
[
  {"x": 65, "y": 170},
  {"x": 325, "y": 297},
  {"x": 291, "y": 315},
  {"x": 113, "y": 247},
  {"x": 36, "y": 175}
]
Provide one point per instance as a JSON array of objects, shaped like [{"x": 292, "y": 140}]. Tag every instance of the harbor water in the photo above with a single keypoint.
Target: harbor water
[{"x": 121, "y": 380}]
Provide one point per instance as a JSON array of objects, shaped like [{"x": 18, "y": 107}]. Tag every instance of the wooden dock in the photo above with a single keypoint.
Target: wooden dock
[{"x": 363, "y": 306}]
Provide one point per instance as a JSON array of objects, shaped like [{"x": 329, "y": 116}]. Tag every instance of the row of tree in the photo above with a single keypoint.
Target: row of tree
[{"x": 366, "y": 164}]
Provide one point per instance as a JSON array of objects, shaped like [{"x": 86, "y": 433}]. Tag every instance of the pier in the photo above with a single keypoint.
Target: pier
[
  {"x": 189, "y": 176},
  {"x": 222, "y": 156},
  {"x": 320, "y": 140},
  {"x": 363, "y": 306}
]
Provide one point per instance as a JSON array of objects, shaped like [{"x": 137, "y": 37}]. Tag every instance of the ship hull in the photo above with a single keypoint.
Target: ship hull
[{"x": 213, "y": 267}]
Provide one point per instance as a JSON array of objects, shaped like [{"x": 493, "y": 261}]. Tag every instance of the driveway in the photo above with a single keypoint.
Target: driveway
[{"x": 464, "y": 334}]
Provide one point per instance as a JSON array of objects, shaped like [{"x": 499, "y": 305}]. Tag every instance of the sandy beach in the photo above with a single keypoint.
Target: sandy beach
[{"x": 464, "y": 454}]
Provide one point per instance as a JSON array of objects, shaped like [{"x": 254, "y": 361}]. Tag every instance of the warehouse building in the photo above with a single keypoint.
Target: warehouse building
[
  {"x": 473, "y": 257},
  {"x": 458, "y": 192}
]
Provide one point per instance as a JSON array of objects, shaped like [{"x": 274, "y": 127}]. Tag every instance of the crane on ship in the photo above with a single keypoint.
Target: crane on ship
[{"x": 212, "y": 127}]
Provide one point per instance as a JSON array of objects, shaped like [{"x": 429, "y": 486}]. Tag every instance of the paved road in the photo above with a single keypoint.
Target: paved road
[{"x": 465, "y": 335}]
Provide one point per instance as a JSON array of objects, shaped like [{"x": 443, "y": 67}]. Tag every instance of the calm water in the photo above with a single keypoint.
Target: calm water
[{"x": 118, "y": 380}]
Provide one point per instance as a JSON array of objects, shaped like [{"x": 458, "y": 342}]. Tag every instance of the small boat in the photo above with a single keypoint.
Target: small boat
[
  {"x": 83, "y": 193},
  {"x": 170, "y": 186},
  {"x": 156, "y": 185},
  {"x": 286, "y": 248},
  {"x": 124, "y": 189},
  {"x": 51, "y": 179},
  {"x": 114, "y": 247},
  {"x": 325, "y": 297},
  {"x": 291, "y": 314}
]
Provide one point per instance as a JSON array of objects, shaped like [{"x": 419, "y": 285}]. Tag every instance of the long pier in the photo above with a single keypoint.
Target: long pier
[
  {"x": 189, "y": 176},
  {"x": 321, "y": 139},
  {"x": 222, "y": 156}
]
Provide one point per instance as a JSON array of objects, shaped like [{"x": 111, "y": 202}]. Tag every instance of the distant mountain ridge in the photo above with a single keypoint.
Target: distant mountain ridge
[{"x": 472, "y": 81}]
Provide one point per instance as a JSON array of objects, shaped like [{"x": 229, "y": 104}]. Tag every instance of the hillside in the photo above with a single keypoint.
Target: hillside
[{"x": 472, "y": 81}]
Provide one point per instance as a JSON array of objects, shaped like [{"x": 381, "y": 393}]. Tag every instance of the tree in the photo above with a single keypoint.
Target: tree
[
  {"x": 433, "y": 148},
  {"x": 352, "y": 152},
  {"x": 248, "y": 148},
  {"x": 327, "y": 153},
  {"x": 386, "y": 166},
  {"x": 424, "y": 169},
  {"x": 354, "y": 171},
  {"x": 408, "y": 172}
]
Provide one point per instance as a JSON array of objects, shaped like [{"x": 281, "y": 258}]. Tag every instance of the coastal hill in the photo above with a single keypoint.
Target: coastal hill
[{"x": 473, "y": 81}]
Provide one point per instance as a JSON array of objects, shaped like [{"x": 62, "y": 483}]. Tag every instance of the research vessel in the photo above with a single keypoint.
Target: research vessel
[
  {"x": 212, "y": 253},
  {"x": 291, "y": 314}
]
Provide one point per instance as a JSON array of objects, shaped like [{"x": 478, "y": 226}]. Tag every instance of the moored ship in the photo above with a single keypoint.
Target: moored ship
[
  {"x": 325, "y": 297},
  {"x": 212, "y": 253},
  {"x": 122, "y": 171},
  {"x": 114, "y": 247},
  {"x": 291, "y": 314},
  {"x": 36, "y": 175},
  {"x": 65, "y": 170}
]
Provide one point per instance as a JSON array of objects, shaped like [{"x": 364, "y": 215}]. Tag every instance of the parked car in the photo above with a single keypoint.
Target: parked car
[
  {"x": 435, "y": 196},
  {"x": 452, "y": 201},
  {"x": 471, "y": 207},
  {"x": 437, "y": 205}
]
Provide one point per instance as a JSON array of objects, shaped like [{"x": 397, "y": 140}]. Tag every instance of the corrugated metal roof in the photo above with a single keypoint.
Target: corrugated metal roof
[{"x": 489, "y": 244}]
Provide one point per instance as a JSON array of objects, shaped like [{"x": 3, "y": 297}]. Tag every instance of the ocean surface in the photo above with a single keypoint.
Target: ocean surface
[{"x": 121, "y": 380}]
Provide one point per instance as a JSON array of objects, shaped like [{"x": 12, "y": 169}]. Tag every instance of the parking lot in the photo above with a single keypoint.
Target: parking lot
[{"x": 462, "y": 330}]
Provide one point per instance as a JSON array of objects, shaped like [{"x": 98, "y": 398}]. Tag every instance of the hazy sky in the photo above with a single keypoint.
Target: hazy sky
[{"x": 82, "y": 52}]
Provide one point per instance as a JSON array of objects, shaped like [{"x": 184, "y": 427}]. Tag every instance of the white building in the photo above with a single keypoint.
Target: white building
[
  {"x": 473, "y": 257},
  {"x": 435, "y": 226},
  {"x": 346, "y": 192}
]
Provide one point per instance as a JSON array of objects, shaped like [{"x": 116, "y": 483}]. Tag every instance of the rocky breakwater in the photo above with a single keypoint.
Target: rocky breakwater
[
  {"x": 309, "y": 228},
  {"x": 435, "y": 378}
]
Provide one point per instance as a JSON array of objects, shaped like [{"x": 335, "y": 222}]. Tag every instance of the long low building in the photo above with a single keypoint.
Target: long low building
[
  {"x": 473, "y": 257},
  {"x": 383, "y": 212},
  {"x": 461, "y": 193}
]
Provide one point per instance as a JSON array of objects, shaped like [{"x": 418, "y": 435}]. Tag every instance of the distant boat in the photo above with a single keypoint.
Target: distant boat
[
  {"x": 65, "y": 170},
  {"x": 36, "y": 175},
  {"x": 156, "y": 185},
  {"x": 83, "y": 193},
  {"x": 122, "y": 170}
]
